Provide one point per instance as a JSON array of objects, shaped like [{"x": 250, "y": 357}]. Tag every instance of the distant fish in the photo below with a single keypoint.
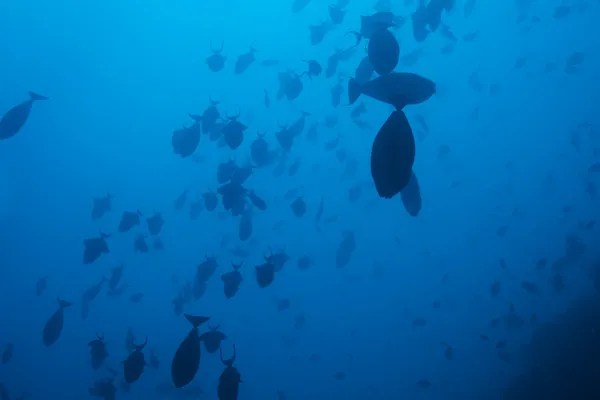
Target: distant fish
[
  {"x": 54, "y": 325},
  {"x": 216, "y": 61},
  {"x": 14, "y": 119}
]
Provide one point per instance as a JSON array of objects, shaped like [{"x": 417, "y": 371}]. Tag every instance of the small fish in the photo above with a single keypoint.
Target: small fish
[
  {"x": 54, "y": 325},
  {"x": 7, "y": 353},
  {"x": 14, "y": 119}
]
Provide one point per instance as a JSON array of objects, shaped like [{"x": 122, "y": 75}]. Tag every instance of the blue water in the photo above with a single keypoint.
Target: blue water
[{"x": 504, "y": 170}]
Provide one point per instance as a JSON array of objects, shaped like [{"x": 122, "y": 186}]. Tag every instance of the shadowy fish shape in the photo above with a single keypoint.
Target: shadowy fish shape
[
  {"x": 134, "y": 365},
  {"x": 314, "y": 68},
  {"x": 98, "y": 352},
  {"x": 209, "y": 117},
  {"x": 185, "y": 141},
  {"x": 299, "y": 207},
  {"x": 187, "y": 357},
  {"x": 93, "y": 248},
  {"x": 345, "y": 250},
  {"x": 230, "y": 379},
  {"x": 245, "y": 228},
  {"x": 210, "y": 201},
  {"x": 41, "y": 285},
  {"x": 206, "y": 269},
  {"x": 101, "y": 206},
  {"x": 181, "y": 200},
  {"x": 155, "y": 223},
  {"x": 318, "y": 32},
  {"x": 140, "y": 245},
  {"x": 256, "y": 201},
  {"x": 129, "y": 220},
  {"x": 370, "y": 24},
  {"x": 196, "y": 208},
  {"x": 216, "y": 61},
  {"x": 383, "y": 51},
  {"x": 54, "y": 325},
  {"x": 233, "y": 133},
  {"x": 231, "y": 281},
  {"x": 398, "y": 89},
  {"x": 393, "y": 156},
  {"x": 265, "y": 274},
  {"x": 115, "y": 276},
  {"x": 245, "y": 60},
  {"x": 364, "y": 71},
  {"x": 279, "y": 259},
  {"x": 14, "y": 119},
  {"x": 336, "y": 13},
  {"x": 104, "y": 389},
  {"x": 293, "y": 87},
  {"x": 212, "y": 339},
  {"x": 411, "y": 196}
]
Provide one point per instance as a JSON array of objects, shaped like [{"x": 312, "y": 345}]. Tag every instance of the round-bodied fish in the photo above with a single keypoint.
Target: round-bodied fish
[{"x": 393, "y": 156}]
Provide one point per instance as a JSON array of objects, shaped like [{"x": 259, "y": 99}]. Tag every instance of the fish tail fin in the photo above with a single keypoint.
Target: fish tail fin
[
  {"x": 354, "y": 90},
  {"x": 196, "y": 320},
  {"x": 34, "y": 96},
  {"x": 64, "y": 303}
]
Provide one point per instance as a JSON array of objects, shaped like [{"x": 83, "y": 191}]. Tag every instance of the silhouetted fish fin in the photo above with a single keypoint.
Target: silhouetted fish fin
[
  {"x": 63, "y": 303},
  {"x": 34, "y": 96},
  {"x": 196, "y": 320}
]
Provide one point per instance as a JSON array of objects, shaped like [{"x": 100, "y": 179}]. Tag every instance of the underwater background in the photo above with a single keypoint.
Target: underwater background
[{"x": 490, "y": 292}]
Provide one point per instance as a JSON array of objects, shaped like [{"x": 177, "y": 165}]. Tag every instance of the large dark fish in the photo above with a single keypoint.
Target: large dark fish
[
  {"x": 134, "y": 365},
  {"x": 364, "y": 71},
  {"x": 14, "y": 119},
  {"x": 93, "y": 248},
  {"x": 129, "y": 220},
  {"x": 231, "y": 281},
  {"x": 393, "y": 155},
  {"x": 265, "y": 274},
  {"x": 187, "y": 357},
  {"x": 398, "y": 89},
  {"x": 102, "y": 205},
  {"x": 230, "y": 379},
  {"x": 216, "y": 61},
  {"x": 383, "y": 51},
  {"x": 54, "y": 325},
  {"x": 245, "y": 60},
  {"x": 212, "y": 339},
  {"x": 185, "y": 141},
  {"x": 98, "y": 352}
]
